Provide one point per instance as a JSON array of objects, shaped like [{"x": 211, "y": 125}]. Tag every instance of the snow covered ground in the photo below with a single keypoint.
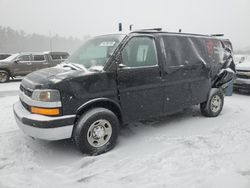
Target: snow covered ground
[{"x": 185, "y": 150}]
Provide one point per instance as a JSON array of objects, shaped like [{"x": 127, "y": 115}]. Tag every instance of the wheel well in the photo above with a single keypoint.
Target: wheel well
[
  {"x": 7, "y": 70},
  {"x": 103, "y": 104}
]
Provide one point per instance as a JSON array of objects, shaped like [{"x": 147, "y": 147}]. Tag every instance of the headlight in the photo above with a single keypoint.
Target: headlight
[{"x": 46, "y": 95}]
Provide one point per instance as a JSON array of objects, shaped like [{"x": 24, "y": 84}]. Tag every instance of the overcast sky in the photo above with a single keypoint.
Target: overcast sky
[{"x": 82, "y": 17}]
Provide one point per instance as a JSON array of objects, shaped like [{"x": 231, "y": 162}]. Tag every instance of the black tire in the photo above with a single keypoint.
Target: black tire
[
  {"x": 213, "y": 106},
  {"x": 97, "y": 119},
  {"x": 4, "y": 76}
]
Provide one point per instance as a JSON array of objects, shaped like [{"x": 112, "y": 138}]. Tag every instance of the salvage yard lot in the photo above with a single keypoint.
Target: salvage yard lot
[{"x": 182, "y": 150}]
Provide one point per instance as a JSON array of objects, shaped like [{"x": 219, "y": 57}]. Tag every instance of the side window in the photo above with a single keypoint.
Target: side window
[
  {"x": 39, "y": 58},
  {"x": 24, "y": 58},
  {"x": 59, "y": 57},
  {"x": 214, "y": 50},
  {"x": 65, "y": 56},
  {"x": 182, "y": 51},
  {"x": 56, "y": 57},
  {"x": 139, "y": 52}
]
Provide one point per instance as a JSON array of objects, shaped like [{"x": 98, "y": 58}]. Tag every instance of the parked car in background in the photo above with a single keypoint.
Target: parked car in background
[
  {"x": 4, "y": 56},
  {"x": 57, "y": 57},
  {"x": 21, "y": 64},
  {"x": 116, "y": 79},
  {"x": 242, "y": 82}
]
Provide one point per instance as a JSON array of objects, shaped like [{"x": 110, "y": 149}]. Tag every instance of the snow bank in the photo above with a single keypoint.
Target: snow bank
[
  {"x": 10, "y": 86},
  {"x": 183, "y": 150},
  {"x": 7, "y": 122}
]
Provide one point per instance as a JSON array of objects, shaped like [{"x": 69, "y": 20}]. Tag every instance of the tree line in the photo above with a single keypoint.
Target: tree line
[{"x": 13, "y": 41}]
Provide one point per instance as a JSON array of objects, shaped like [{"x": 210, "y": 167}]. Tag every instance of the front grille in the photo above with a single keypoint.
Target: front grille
[
  {"x": 27, "y": 92},
  {"x": 27, "y": 107}
]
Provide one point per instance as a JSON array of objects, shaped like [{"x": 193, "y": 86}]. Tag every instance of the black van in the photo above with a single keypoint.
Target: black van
[{"x": 112, "y": 80}]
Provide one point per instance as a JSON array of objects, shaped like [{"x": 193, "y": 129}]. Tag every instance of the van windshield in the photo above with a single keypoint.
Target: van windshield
[
  {"x": 11, "y": 58},
  {"x": 96, "y": 51}
]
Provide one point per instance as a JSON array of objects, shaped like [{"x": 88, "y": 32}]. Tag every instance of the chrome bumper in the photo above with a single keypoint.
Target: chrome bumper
[{"x": 43, "y": 127}]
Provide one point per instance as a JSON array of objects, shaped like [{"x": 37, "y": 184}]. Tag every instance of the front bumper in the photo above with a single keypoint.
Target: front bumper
[
  {"x": 241, "y": 84},
  {"x": 43, "y": 127}
]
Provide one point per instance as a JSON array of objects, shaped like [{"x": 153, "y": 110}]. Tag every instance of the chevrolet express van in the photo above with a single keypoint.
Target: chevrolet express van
[{"x": 113, "y": 80}]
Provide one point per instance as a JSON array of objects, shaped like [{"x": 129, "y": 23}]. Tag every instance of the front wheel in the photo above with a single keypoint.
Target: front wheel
[
  {"x": 213, "y": 106},
  {"x": 4, "y": 76},
  {"x": 96, "y": 131}
]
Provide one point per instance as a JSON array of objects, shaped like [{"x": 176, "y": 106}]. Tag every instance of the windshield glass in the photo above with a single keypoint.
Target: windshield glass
[
  {"x": 4, "y": 56},
  {"x": 12, "y": 57},
  {"x": 96, "y": 51}
]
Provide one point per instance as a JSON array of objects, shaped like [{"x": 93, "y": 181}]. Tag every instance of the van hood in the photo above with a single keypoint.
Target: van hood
[
  {"x": 45, "y": 77},
  {"x": 4, "y": 62}
]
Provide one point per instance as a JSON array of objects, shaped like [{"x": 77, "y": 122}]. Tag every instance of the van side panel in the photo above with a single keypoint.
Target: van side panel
[
  {"x": 189, "y": 70},
  {"x": 200, "y": 81}
]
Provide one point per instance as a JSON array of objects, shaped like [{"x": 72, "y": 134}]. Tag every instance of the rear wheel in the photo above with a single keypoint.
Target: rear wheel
[
  {"x": 96, "y": 131},
  {"x": 4, "y": 76},
  {"x": 213, "y": 106}
]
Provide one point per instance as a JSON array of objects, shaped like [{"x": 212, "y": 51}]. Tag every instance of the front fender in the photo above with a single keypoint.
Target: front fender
[{"x": 98, "y": 100}]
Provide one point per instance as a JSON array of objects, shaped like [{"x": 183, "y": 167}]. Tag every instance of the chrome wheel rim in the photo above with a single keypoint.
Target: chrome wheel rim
[
  {"x": 99, "y": 133},
  {"x": 216, "y": 103},
  {"x": 3, "y": 77}
]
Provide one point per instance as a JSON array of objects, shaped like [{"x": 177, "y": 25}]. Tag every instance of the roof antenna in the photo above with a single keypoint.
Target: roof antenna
[
  {"x": 120, "y": 26},
  {"x": 130, "y": 27}
]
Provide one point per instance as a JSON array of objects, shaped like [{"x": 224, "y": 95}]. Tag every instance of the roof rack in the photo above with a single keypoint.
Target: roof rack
[
  {"x": 156, "y": 30},
  {"x": 217, "y": 35},
  {"x": 147, "y": 30}
]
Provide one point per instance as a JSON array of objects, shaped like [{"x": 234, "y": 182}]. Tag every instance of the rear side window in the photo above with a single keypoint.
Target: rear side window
[
  {"x": 59, "y": 57},
  {"x": 214, "y": 50},
  {"x": 139, "y": 52},
  {"x": 182, "y": 50},
  {"x": 39, "y": 58}
]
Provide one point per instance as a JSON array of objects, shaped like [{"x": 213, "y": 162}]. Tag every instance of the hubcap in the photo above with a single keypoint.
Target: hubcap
[
  {"x": 99, "y": 133},
  {"x": 3, "y": 77},
  {"x": 215, "y": 103}
]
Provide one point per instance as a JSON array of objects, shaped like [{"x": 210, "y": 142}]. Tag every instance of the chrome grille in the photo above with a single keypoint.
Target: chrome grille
[{"x": 26, "y": 91}]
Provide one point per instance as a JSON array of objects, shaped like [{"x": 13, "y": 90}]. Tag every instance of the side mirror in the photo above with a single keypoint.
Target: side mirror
[
  {"x": 17, "y": 60},
  {"x": 120, "y": 66}
]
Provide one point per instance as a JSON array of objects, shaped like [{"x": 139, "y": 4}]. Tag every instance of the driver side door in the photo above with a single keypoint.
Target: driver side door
[
  {"x": 139, "y": 80},
  {"x": 23, "y": 66}
]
